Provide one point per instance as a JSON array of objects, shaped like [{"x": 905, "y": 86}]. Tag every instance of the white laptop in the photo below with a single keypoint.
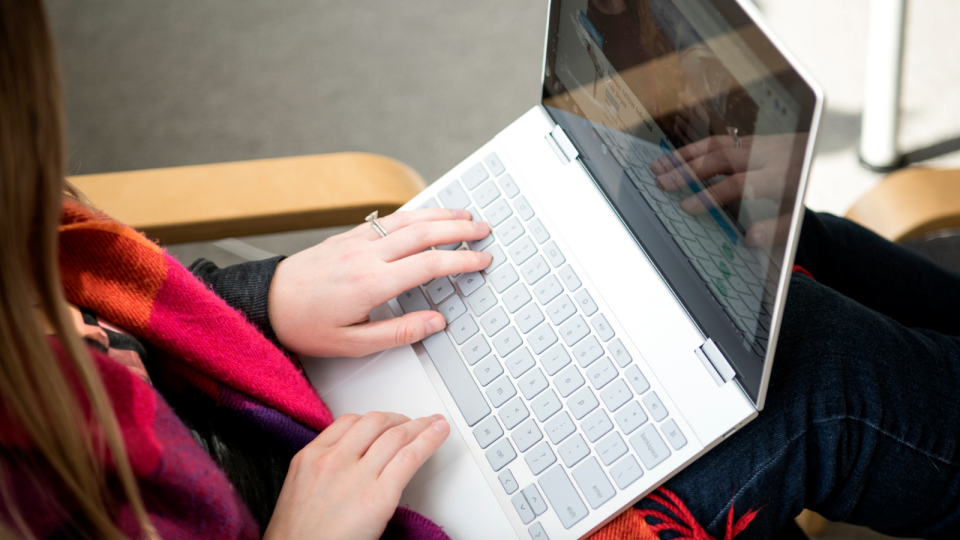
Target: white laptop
[{"x": 615, "y": 337}]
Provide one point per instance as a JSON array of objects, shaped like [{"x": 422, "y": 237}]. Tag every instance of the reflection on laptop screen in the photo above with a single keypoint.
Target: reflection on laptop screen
[{"x": 695, "y": 128}]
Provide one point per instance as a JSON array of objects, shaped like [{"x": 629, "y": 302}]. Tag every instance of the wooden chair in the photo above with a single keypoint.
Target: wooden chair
[{"x": 206, "y": 202}]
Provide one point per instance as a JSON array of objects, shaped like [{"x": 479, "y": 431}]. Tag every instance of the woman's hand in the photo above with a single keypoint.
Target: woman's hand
[
  {"x": 321, "y": 298},
  {"x": 347, "y": 482}
]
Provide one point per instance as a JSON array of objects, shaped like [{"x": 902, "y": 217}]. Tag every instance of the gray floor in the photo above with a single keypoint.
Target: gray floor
[{"x": 159, "y": 83}]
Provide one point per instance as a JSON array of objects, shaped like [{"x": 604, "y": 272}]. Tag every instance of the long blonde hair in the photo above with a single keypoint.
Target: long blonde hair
[{"x": 35, "y": 391}]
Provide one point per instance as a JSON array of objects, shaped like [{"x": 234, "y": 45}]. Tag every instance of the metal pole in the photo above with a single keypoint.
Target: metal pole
[{"x": 881, "y": 102}]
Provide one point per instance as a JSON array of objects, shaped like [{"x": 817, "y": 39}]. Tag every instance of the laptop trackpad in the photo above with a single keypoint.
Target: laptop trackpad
[{"x": 449, "y": 488}]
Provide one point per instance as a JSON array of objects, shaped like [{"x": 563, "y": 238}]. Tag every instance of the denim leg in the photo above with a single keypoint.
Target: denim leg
[
  {"x": 861, "y": 425},
  {"x": 883, "y": 276}
]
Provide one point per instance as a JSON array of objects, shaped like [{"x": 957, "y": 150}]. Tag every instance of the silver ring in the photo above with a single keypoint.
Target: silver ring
[
  {"x": 736, "y": 137},
  {"x": 372, "y": 218}
]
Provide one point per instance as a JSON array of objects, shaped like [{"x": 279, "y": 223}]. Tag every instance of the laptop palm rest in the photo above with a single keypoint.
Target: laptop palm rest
[{"x": 449, "y": 488}]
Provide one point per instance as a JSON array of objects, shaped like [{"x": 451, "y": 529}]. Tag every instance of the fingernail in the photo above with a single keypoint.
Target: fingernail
[
  {"x": 691, "y": 205},
  {"x": 435, "y": 325},
  {"x": 757, "y": 237},
  {"x": 481, "y": 225},
  {"x": 463, "y": 214},
  {"x": 437, "y": 416},
  {"x": 484, "y": 257},
  {"x": 441, "y": 426}
]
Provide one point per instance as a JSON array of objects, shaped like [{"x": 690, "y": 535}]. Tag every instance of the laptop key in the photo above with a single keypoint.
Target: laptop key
[
  {"x": 509, "y": 186},
  {"x": 538, "y": 231},
  {"x": 482, "y": 302},
  {"x": 568, "y": 380},
  {"x": 494, "y": 164},
  {"x": 655, "y": 406},
  {"x": 619, "y": 353},
  {"x": 561, "y": 309},
  {"x": 516, "y": 297},
  {"x": 670, "y": 429},
  {"x": 463, "y": 329},
  {"x": 522, "y": 250},
  {"x": 546, "y": 405},
  {"x": 601, "y": 373},
  {"x": 596, "y": 425},
  {"x": 582, "y": 403},
  {"x": 537, "y": 504},
  {"x": 509, "y": 231},
  {"x": 522, "y": 507},
  {"x": 637, "y": 380},
  {"x": 555, "y": 359},
  {"x": 487, "y": 432},
  {"x": 569, "y": 278},
  {"x": 439, "y": 289},
  {"x": 470, "y": 282},
  {"x": 560, "y": 427},
  {"x": 453, "y": 196},
  {"x": 455, "y": 376},
  {"x": 600, "y": 324},
  {"x": 513, "y": 413},
  {"x": 587, "y": 351},
  {"x": 548, "y": 289},
  {"x": 563, "y": 497},
  {"x": 501, "y": 391},
  {"x": 452, "y": 308},
  {"x": 504, "y": 278},
  {"x": 649, "y": 446},
  {"x": 541, "y": 338},
  {"x": 554, "y": 254},
  {"x": 519, "y": 362},
  {"x": 430, "y": 203},
  {"x": 488, "y": 370},
  {"x": 474, "y": 176},
  {"x": 501, "y": 454},
  {"x": 626, "y": 472},
  {"x": 574, "y": 450},
  {"x": 574, "y": 330},
  {"x": 508, "y": 482},
  {"x": 534, "y": 269},
  {"x": 506, "y": 342},
  {"x": 413, "y": 300},
  {"x": 477, "y": 245},
  {"x": 523, "y": 208},
  {"x": 487, "y": 193},
  {"x": 497, "y": 212},
  {"x": 532, "y": 384},
  {"x": 528, "y": 318},
  {"x": 615, "y": 395},
  {"x": 593, "y": 483},
  {"x": 540, "y": 457},
  {"x": 527, "y": 435},
  {"x": 630, "y": 418},
  {"x": 611, "y": 448},
  {"x": 498, "y": 257},
  {"x": 475, "y": 349}
]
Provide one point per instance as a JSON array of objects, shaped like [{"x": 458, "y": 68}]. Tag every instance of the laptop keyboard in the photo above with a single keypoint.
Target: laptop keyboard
[{"x": 534, "y": 365}]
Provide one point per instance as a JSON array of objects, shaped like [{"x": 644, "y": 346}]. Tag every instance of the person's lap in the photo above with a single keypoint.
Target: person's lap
[{"x": 861, "y": 422}]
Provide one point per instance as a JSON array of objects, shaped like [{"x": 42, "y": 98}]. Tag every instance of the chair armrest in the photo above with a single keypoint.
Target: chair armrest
[
  {"x": 911, "y": 203},
  {"x": 204, "y": 202}
]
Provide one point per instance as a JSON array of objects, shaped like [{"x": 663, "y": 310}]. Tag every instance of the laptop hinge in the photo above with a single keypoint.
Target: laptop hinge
[
  {"x": 715, "y": 362},
  {"x": 561, "y": 145}
]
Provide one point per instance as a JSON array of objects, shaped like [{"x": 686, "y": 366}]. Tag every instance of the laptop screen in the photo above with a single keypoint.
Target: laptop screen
[{"x": 695, "y": 128}]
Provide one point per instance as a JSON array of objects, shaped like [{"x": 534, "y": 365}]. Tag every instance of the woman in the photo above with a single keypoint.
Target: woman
[{"x": 89, "y": 446}]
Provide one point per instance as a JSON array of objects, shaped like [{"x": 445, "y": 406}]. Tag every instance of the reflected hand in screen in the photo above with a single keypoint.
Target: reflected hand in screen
[{"x": 759, "y": 169}]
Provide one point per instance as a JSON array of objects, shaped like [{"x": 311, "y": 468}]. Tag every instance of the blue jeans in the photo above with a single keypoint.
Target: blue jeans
[{"x": 862, "y": 420}]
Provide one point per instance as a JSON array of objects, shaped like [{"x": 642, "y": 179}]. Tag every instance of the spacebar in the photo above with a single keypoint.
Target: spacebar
[{"x": 454, "y": 373}]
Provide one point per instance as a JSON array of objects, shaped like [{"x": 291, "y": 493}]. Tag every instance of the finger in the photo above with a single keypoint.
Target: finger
[
  {"x": 723, "y": 192},
  {"x": 367, "y": 429},
  {"x": 690, "y": 152},
  {"x": 371, "y": 337},
  {"x": 422, "y": 235},
  {"x": 335, "y": 431},
  {"x": 769, "y": 232},
  {"x": 398, "y": 220},
  {"x": 724, "y": 161},
  {"x": 386, "y": 447},
  {"x": 397, "y": 474},
  {"x": 428, "y": 265}
]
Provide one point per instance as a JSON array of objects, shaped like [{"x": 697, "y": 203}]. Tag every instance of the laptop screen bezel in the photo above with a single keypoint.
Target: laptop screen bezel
[{"x": 753, "y": 375}]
